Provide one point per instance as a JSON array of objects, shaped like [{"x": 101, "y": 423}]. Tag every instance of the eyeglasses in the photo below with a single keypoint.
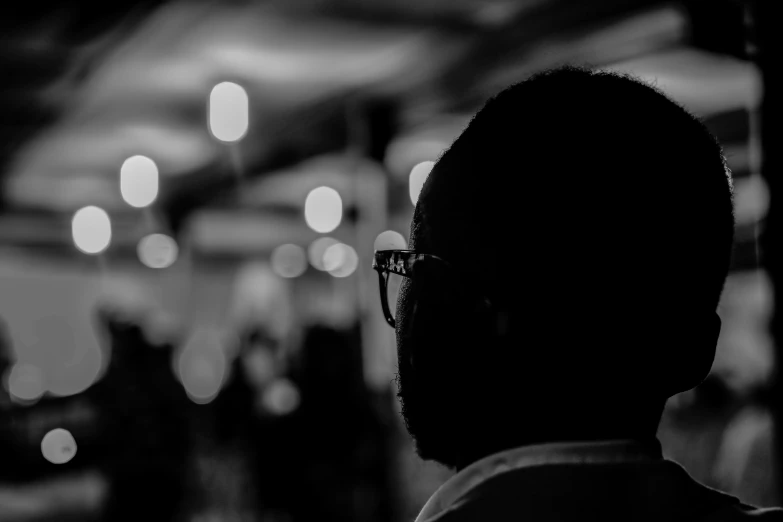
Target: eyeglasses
[{"x": 393, "y": 265}]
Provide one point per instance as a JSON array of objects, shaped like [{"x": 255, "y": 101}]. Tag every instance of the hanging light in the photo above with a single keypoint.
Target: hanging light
[
  {"x": 91, "y": 230},
  {"x": 139, "y": 181},
  {"x": 323, "y": 209},
  {"x": 228, "y": 112}
]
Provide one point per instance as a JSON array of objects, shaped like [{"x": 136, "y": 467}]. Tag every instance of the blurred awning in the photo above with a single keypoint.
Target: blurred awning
[{"x": 142, "y": 88}]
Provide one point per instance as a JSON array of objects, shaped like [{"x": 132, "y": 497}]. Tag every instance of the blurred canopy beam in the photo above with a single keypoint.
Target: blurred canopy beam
[
  {"x": 554, "y": 33},
  {"x": 39, "y": 44},
  {"x": 94, "y": 81}
]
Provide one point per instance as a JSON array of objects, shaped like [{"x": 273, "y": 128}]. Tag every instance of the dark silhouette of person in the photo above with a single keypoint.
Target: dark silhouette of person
[
  {"x": 340, "y": 435},
  {"x": 144, "y": 441},
  {"x": 570, "y": 248},
  {"x": 247, "y": 430}
]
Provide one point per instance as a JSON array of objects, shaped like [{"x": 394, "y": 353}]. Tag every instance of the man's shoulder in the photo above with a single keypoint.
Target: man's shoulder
[
  {"x": 652, "y": 493},
  {"x": 727, "y": 514},
  {"x": 740, "y": 512}
]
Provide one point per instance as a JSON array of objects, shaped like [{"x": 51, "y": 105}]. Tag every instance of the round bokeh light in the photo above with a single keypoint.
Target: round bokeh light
[
  {"x": 157, "y": 251},
  {"x": 289, "y": 260}
]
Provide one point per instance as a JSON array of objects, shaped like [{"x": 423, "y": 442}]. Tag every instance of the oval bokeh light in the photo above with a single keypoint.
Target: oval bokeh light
[
  {"x": 281, "y": 397},
  {"x": 91, "y": 229},
  {"x": 139, "y": 181},
  {"x": 157, "y": 251},
  {"x": 201, "y": 366},
  {"x": 229, "y": 110},
  {"x": 323, "y": 209}
]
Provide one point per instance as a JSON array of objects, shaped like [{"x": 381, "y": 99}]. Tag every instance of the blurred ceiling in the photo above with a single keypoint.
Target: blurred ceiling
[{"x": 86, "y": 88}]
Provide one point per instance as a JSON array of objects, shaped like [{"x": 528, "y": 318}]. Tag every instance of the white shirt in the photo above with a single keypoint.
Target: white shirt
[{"x": 615, "y": 451}]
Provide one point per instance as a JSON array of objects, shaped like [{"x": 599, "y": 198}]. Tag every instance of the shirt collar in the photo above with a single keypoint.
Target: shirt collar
[{"x": 605, "y": 452}]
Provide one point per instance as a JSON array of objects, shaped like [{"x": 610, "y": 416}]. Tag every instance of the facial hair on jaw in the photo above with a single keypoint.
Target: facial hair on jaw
[{"x": 428, "y": 413}]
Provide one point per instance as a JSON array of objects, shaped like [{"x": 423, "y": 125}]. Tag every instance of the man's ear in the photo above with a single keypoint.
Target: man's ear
[{"x": 697, "y": 348}]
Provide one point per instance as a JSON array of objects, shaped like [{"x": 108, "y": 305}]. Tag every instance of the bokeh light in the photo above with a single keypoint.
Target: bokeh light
[
  {"x": 316, "y": 250},
  {"x": 751, "y": 199},
  {"x": 91, "y": 229},
  {"x": 26, "y": 382},
  {"x": 259, "y": 365},
  {"x": 390, "y": 240},
  {"x": 139, "y": 181},
  {"x": 289, "y": 260},
  {"x": 341, "y": 260},
  {"x": 281, "y": 397},
  {"x": 418, "y": 176},
  {"x": 228, "y": 112},
  {"x": 334, "y": 257},
  {"x": 323, "y": 209},
  {"x": 201, "y": 366},
  {"x": 157, "y": 251},
  {"x": 58, "y": 446}
]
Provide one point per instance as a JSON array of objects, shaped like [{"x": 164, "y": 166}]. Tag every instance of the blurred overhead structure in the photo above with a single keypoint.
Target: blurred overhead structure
[{"x": 91, "y": 90}]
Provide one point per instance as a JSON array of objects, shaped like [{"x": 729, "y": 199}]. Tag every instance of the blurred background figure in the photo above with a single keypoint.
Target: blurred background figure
[
  {"x": 343, "y": 440},
  {"x": 144, "y": 443},
  {"x": 190, "y": 196},
  {"x": 252, "y": 428}
]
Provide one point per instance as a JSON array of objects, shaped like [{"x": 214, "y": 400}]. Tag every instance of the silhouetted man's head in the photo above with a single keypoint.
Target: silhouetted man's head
[{"x": 595, "y": 214}]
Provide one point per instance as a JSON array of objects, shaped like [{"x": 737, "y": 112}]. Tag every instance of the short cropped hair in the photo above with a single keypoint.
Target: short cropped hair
[
  {"x": 599, "y": 213},
  {"x": 575, "y": 184}
]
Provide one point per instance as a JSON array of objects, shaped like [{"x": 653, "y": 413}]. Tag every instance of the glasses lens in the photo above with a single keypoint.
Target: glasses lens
[{"x": 393, "y": 284}]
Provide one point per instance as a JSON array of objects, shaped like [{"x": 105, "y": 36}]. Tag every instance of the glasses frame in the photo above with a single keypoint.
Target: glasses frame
[{"x": 403, "y": 263}]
